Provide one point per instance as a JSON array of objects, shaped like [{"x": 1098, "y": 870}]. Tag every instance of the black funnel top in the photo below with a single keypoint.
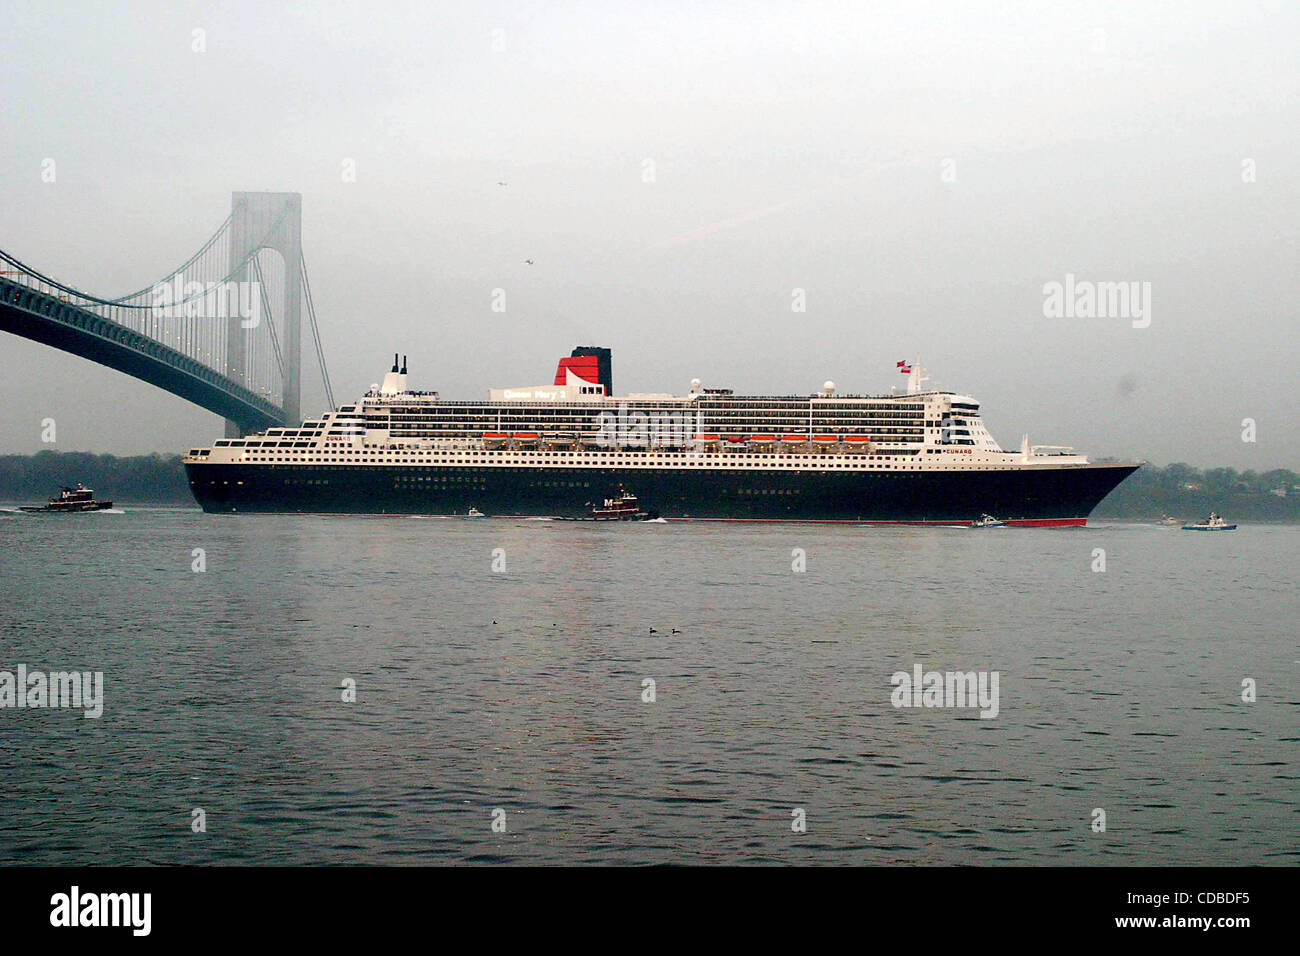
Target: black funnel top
[{"x": 604, "y": 362}]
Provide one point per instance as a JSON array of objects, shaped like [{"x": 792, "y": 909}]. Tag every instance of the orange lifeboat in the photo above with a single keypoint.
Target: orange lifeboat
[{"x": 858, "y": 444}]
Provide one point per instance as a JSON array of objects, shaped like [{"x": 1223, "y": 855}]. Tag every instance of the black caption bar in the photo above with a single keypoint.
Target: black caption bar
[{"x": 142, "y": 905}]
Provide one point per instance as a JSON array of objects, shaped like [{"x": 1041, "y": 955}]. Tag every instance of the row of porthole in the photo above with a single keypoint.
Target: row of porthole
[
  {"x": 689, "y": 464},
  {"x": 638, "y": 458},
  {"x": 913, "y": 468}
]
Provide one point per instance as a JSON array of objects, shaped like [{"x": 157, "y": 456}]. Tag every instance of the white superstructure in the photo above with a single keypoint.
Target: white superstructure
[{"x": 574, "y": 424}]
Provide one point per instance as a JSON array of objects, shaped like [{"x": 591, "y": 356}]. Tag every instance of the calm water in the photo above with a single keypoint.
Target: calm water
[{"x": 522, "y": 691}]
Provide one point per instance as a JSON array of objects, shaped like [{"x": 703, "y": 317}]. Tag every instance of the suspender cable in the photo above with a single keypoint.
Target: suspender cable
[
  {"x": 270, "y": 325},
  {"x": 315, "y": 332}
]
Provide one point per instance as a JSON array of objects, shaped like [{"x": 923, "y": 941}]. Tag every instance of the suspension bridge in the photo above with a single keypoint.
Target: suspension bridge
[{"x": 224, "y": 330}]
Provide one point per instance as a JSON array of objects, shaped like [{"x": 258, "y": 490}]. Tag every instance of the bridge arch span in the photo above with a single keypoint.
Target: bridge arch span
[{"x": 179, "y": 333}]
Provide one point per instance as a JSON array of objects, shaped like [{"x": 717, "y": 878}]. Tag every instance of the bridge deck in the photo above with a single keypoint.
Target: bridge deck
[{"x": 47, "y": 318}]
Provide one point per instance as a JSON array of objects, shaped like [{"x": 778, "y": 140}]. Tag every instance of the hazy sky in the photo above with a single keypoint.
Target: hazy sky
[{"x": 920, "y": 170}]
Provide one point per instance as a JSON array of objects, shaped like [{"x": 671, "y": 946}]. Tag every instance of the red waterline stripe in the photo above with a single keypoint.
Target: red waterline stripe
[
  {"x": 1050, "y": 522},
  {"x": 1020, "y": 523}
]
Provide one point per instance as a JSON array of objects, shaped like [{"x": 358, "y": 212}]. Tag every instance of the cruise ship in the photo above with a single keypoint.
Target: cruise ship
[{"x": 919, "y": 456}]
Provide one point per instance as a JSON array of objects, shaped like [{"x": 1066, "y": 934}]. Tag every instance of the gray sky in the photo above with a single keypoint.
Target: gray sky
[{"x": 920, "y": 170}]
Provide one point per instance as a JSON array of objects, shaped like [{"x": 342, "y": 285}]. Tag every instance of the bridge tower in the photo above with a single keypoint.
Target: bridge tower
[{"x": 269, "y": 221}]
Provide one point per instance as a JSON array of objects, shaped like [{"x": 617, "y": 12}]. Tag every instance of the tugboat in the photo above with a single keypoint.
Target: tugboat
[
  {"x": 1214, "y": 522},
  {"x": 987, "y": 521},
  {"x": 623, "y": 508},
  {"x": 70, "y": 500}
]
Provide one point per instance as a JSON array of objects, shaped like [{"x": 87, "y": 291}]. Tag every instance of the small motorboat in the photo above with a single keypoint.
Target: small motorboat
[
  {"x": 474, "y": 513},
  {"x": 1166, "y": 520},
  {"x": 987, "y": 521},
  {"x": 70, "y": 501},
  {"x": 623, "y": 508},
  {"x": 1214, "y": 522}
]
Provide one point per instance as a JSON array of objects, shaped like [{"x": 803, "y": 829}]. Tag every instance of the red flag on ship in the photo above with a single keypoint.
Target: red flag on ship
[{"x": 905, "y": 368}]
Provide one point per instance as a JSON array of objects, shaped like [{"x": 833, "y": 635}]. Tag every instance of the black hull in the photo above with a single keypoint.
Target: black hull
[{"x": 1028, "y": 496}]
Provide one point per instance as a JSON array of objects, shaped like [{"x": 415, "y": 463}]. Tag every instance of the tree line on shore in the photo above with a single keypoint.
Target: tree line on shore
[
  {"x": 1185, "y": 492},
  {"x": 1178, "y": 489},
  {"x": 147, "y": 479}
]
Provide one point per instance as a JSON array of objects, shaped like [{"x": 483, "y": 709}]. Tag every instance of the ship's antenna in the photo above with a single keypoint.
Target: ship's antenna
[{"x": 917, "y": 376}]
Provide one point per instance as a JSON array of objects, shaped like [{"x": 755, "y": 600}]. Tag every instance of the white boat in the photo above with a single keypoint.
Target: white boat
[
  {"x": 475, "y": 513},
  {"x": 987, "y": 521},
  {"x": 1166, "y": 520},
  {"x": 1214, "y": 522}
]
